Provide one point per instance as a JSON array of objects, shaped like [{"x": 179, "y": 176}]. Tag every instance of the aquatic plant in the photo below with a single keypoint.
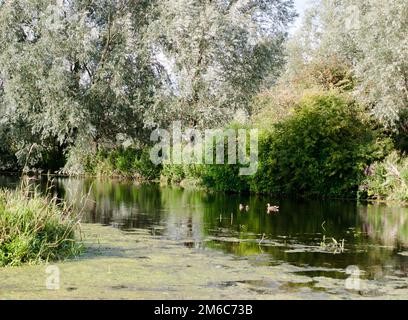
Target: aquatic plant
[
  {"x": 35, "y": 229},
  {"x": 333, "y": 245}
]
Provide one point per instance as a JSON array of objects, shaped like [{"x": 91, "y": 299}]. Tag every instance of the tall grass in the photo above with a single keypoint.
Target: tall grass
[
  {"x": 122, "y": 163},
  {"x": 35, "y": 228}
]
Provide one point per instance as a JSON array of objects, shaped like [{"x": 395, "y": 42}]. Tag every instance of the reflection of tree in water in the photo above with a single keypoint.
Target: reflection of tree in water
[
  {"x": 171, "y": 212},
  {"x": 385, "y": 224},
  {"x": 183, "y": 215},
  {"x": 108, "y": 201},
  {"x": 8, "y": 181}
]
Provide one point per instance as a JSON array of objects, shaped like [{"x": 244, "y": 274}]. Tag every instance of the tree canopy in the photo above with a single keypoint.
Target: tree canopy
[
  {"x": 106, "y": 71},
  {"x": 369, "y": 38}
]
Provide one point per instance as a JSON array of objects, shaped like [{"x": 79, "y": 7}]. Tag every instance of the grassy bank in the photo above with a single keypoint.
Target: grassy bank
[{"x": 35, "y": 229}]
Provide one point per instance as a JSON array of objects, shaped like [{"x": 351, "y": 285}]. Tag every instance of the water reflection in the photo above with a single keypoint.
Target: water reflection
[
  {"x": 387, "y": 224},
  {"x": 373, "y": 234}
]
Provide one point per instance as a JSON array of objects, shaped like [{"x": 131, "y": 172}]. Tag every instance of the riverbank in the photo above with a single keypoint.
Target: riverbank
[
  {"x": 137, "y": 265},
  {"x": 190, "y": 184},
  {"x": 328, "y": 148}
]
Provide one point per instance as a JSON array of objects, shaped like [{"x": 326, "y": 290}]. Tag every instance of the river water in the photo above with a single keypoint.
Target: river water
[{"x": 310, "y": 249}]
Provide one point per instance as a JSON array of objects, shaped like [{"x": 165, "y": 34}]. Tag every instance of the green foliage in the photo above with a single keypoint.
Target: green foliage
[
  {"x": 78, "y": 159},
  {"x": 274, "y": 105},
  {"x": 326, "y": 73},
  {"x": 52, "y": 158},
  {"x": 224, "y": 178},
  {"x": 8, "y": 160},
  {"x": 387, "y": 179},
  {"x": 301, "y": 77},
  {"x": 35, "y": 229},
  {"x": 368, "y": 37},
  {"x": 108, "y": 71},
  {"x": 217, "y": 177},
  {"x": 321, "y": 150},
  {"x": 122, "y": 162},
  {"x": 223, "y": 52},
  {"x": 145, "y": 168},
  {"x": 182, "y": 174},
  {"x": 173, "y": 173}
]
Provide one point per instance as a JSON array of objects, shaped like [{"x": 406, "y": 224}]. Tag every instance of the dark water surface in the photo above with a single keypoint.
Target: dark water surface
[{"x": 304, "y": 234}]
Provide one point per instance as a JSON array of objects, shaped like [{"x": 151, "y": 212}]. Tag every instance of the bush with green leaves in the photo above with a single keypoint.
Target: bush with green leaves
[
  {"x": 185, "y": 175},
  {"x": 173, "y": 173},
  {"x": 145, "y": 168},
  {"x": 387, "y": 179},
  {"x": 322, "y": 150},
  {"x": 122, "y": 162},
  {"x": 216, "y": 177},
  {"x": 224, "y": 178}
]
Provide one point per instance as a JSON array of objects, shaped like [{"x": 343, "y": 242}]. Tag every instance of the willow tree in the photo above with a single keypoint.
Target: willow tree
[
  {"x": 369, "y": 37},
  {"x": 218, "y": 53},
  {"x": 104, "y": 72},
  {"x": 381, "y": 35},
  {"x": 72, "y": 69}
]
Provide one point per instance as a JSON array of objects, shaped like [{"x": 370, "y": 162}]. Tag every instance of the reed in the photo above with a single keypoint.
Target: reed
[{"x": 36, "y": 228}]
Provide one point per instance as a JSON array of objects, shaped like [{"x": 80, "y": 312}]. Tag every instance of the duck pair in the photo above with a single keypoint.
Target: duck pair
[
  {"x": 242, "y": 207},
  {"x": 271, "y": 209}
]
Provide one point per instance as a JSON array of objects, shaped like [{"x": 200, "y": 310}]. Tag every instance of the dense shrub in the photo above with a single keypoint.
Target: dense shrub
[
  {"x": 322, "y": 150},
  {"x": 218, "y": 177},
  {"x": 52, "y": 159},
  {"x": 387, "y": 179},
  {"x": 213, "y": 177},
  {"x": 118, "y": 162},
  {"x": 146, "y": 169},
  {"x": 125, "y": 162},
  {"x": 327, "y": 73},
  {"x": 274, "y": 105},
  {"x": 186, "y": 175},
  {"x": 224, "y": 178},
  {"x": 173, "y": 173},
  {"x": 7, "y": 160},
  {"x": 399, "y": 134},
  {"x": 301, "y": 78}
]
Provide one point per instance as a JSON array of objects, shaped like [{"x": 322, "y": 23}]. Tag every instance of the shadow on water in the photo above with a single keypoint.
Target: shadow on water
[{"x": 375, "y": 236}]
